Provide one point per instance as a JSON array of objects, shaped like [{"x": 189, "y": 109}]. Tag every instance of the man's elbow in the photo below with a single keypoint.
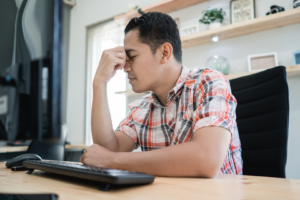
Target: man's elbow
[
  {"x": 210, "y": 172},
  {"x": 209, "y": 168}
]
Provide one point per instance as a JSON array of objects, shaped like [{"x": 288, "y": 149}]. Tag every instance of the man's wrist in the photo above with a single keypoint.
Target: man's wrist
[
  {"x": 99, "y": 85},
  {"x": 117, "y": 161}
]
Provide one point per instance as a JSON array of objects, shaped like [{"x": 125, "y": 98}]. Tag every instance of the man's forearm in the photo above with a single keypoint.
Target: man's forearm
[
  {"x": 202, "y": 157},
  {"x": 185, "y": 159},
  {"x": 102, "y": 130}
]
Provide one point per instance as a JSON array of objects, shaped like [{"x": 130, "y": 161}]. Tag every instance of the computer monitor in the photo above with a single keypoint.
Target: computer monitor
[{"x": 30, "y": 69}]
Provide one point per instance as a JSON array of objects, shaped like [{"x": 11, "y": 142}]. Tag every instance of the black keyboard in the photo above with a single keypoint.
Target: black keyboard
[{"x": 103, "y": 175}]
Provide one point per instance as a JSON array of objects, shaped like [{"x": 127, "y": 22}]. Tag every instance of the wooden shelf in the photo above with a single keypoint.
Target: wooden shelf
[
  {"x": 164, "y": 6},
  {"x": 264, "y": 23},
  {"x": 131, "y": 93},
  {"x": 243, "y": 28},
  {"x": 290, "y": 71}
]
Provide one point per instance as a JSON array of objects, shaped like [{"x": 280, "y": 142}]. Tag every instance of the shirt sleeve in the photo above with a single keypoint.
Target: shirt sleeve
[
  {"x": 216, "y": 106},
  {"x": 127, "y": 126}
]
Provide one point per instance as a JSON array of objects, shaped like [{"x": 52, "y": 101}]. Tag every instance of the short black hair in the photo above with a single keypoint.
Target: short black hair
[{"x": 155, "y": 29}]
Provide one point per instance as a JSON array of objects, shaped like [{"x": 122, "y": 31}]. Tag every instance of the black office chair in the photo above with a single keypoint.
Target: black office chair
[
  {"x": 53, "y": 149},
  {"x": 263, "y": 121}
]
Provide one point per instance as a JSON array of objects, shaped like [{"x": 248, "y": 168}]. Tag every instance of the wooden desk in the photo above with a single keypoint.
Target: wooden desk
[
  {"x": 11, "y": 149},
  {"x": 221, "y": 187}
]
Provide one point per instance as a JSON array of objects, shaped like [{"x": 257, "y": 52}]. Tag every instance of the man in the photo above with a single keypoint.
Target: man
[{"x": 188, "y": 119}]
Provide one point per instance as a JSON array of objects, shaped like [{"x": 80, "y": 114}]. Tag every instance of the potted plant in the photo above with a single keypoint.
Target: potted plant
[
  {"x": 213, "y": 17},
  {"x": 131, "y": 7}
]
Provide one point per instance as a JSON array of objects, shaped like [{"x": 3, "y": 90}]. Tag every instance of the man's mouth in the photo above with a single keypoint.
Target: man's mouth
[{"x": 131, "y": 79}]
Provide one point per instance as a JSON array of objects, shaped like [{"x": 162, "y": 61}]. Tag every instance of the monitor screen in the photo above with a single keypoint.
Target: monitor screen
[
  {"x": 30, "y": 69},
  {"x": 26, "y": 31}
]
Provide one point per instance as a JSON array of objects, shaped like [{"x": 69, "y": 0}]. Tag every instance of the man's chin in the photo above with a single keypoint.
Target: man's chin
[{"x": 138, "y": 90}]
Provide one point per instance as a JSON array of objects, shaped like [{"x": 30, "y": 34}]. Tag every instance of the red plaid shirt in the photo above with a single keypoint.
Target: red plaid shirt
[{"x": 200, "y": 98}]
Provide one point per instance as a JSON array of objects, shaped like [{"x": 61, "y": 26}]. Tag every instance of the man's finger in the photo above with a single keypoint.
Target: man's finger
[
  {"x": 121, "y": 55},
  {"x": 118, "y": 49},
  {"x": 119, "y": 63},
  {"x": 81, "y": 159}
]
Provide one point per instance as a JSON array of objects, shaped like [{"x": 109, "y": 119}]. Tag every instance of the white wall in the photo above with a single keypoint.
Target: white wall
[{"x": 284, "y": 41}]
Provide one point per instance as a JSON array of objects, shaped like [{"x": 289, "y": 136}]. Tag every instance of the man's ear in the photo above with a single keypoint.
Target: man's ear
[{"x": 167, "y": 51}]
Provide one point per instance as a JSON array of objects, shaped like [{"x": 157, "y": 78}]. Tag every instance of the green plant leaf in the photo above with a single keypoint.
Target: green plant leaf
[{"x": 211, "y": 15}]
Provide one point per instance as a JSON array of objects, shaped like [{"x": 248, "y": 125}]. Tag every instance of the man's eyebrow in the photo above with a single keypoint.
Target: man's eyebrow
[{"x": 128, "y": 50}]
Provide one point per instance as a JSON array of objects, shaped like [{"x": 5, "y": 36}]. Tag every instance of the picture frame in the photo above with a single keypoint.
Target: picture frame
[
  {"x": 242, "y": 10},
  {"x": 297, "y": 57},
  {"x": 263, "y": 61},
  {"x": 189, "y": 30}
]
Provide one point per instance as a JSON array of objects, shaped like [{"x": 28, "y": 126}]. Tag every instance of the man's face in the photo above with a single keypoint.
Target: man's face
[{"x": 143, "y": 68}]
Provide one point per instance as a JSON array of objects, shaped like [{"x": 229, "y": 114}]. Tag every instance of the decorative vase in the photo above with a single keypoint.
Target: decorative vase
[
  {"x": 214, "y": 25},
  {"x": 218, "y": 63}
]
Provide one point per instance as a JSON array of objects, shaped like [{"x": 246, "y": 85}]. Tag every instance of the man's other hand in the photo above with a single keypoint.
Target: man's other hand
[
  {"x": 111, "y": 61},
  {"x": 97, "y": 156}
]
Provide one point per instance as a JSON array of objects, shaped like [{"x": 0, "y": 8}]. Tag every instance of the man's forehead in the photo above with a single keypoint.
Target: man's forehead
[
  {"x": 132, "y": 37},
  {"x": 133, "y": 34},
  {"x": 132, "y": 42},
  {"x": 131, "y": 46}
]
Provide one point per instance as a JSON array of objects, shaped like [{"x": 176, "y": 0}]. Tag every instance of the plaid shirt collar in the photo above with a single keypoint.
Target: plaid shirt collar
[{"x": 185, "y": 72}]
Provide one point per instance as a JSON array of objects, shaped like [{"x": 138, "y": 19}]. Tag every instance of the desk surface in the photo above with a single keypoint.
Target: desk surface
[
  {"x": 10, "y": 149},
  {"x": 221, "y": 187}
]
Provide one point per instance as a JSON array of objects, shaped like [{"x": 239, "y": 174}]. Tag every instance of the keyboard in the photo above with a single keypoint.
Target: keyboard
[{"x": 103, "y": 175}]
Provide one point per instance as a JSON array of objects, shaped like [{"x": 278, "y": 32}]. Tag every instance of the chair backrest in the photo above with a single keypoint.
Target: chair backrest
[
  {"x": 53, "y": 149},
  {"x": 263, "y": 119}
]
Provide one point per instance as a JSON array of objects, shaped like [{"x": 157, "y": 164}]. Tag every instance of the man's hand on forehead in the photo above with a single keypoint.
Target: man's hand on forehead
[
  {"x": 121, "y": 49},
  {"x": 111, "y": 60}
]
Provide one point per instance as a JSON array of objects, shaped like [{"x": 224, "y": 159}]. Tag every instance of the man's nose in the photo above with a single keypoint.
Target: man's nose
[{"x": 127, "y": 67}]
